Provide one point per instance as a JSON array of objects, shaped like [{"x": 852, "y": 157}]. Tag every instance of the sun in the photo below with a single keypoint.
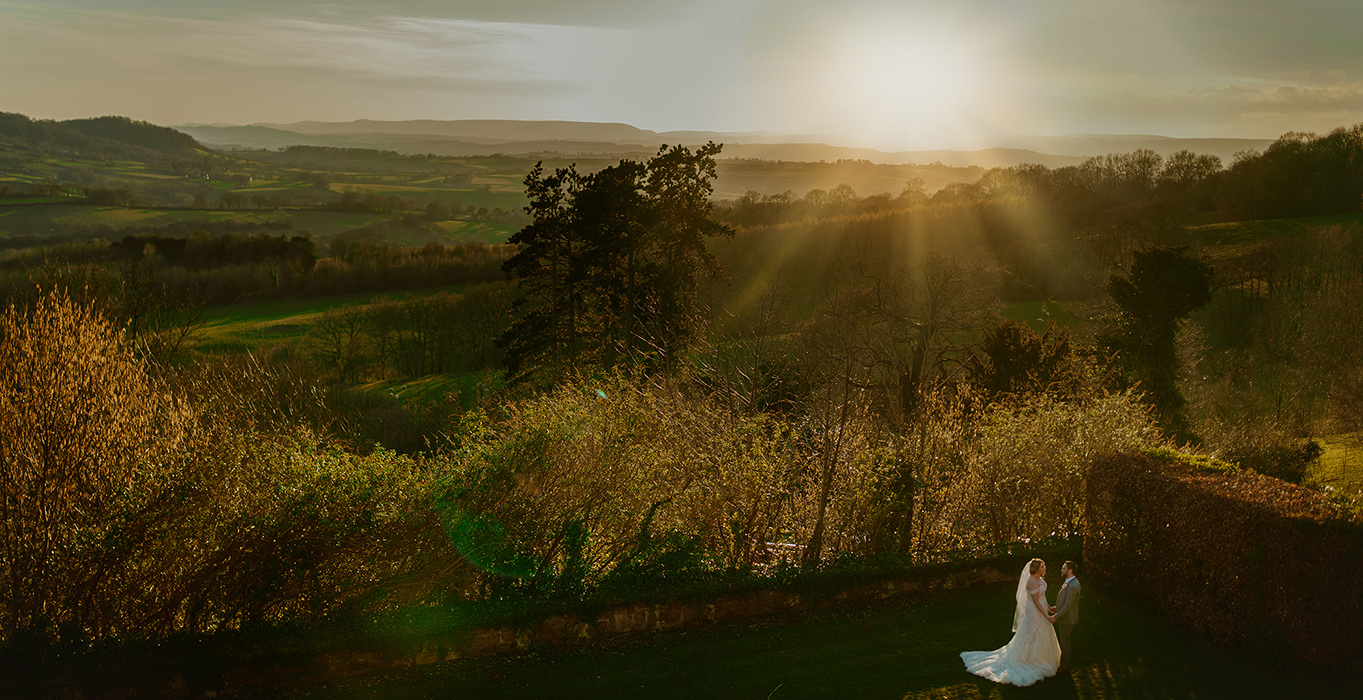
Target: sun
[
  {"x": 905, "y": 83},
  {"x": 896, "y": 78}
]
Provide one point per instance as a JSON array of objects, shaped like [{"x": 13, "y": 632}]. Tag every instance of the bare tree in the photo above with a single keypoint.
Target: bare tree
[
  {"x": 927, "y": 312},
  {"x": 338, "y": 337}
]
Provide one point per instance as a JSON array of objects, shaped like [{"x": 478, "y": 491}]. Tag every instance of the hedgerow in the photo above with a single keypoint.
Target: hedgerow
[{"x": 1244, "y": 559}]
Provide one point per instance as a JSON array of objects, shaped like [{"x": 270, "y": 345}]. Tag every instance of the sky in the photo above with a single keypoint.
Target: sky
[{"x": 880, "y": 73}]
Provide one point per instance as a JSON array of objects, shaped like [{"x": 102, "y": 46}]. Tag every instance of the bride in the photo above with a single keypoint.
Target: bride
[{"x": 1034, "y": 652}]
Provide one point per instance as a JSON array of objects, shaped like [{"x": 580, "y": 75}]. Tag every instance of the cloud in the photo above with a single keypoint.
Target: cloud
[
  {"x": 580, "y": 13},
  {"x": 1283, "y": 98},
  {"x": 338, "y": 66},
  {"x": 440, "y": 54},
  {"x": 1246, "y": 109},
  {"x": 62, "y": 63},
  {"x": 444, "y": 54},
  {"x": 1274, "y": 108},
  {"x": 1184, "y": 67}
]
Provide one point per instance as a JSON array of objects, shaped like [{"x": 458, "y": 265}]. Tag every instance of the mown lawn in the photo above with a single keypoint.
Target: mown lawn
[{"x": 901, "y": 650}]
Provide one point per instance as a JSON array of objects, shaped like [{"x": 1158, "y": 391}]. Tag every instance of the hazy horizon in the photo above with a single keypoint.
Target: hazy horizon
[{"x": 869, "y": 73}]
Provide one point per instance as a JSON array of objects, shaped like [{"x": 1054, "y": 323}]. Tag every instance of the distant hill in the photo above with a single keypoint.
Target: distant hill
[
  {"x": 118, "y": 137},
  {"x": 814, "y": 152},
  {"x": 272, "y": 138},
  {"x": 480, "y": 137},
  {"x": 483, "y": 139},
  {"x": 480, "y": 130},
  {"x": 1101, "y": 144},
  {"x": 494, "y": 131},
  {"x": 253, "y": 137}
]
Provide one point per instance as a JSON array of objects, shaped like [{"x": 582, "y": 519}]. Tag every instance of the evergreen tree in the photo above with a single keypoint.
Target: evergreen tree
[
  {"x": 679, "y": 188},
  {"x": 615, "y": 221},
  {"x": 1012, "y": 360},
  {"x": 546, "y": 335},
  {"x": 1164, "y": 287},
  {"x": 610, "y": 264}
]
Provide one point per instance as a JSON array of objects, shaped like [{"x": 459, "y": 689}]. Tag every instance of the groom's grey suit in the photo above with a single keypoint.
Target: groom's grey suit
[{"x": 1066, "y": 616}]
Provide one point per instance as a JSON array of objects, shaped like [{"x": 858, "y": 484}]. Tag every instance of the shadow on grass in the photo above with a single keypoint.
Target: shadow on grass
[{"x": 908, "y": 650}]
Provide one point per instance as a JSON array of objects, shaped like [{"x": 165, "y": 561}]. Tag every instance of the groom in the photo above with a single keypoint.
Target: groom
[{"x": 1065, "y": 613}]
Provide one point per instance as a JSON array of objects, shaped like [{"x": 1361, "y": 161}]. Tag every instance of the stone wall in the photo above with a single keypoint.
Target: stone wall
[{"x": 557, "y": 632}]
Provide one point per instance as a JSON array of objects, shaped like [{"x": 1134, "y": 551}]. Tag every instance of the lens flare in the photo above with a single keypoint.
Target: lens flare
[{"x": 484, "y": 543}]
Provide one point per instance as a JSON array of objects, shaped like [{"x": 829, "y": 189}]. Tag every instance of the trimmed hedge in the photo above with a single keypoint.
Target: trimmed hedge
[{"x": 1243, "y": 559}]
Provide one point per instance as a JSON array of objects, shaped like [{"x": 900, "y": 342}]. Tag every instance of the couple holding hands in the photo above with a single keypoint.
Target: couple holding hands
[{"x": 1040, "y": 647}]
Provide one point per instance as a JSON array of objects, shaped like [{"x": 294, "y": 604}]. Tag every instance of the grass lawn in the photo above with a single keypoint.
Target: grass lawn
[{"x": 907, "y": 650}]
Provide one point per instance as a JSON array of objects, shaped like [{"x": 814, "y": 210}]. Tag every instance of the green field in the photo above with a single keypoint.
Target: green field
[
  {"x": 1039, "y": 315},
  {"x": 1221, "y": 241},
  {"x": 476, "y": 232},
  {"x": 41, "y": 167},
  {"x": 50, "y": 218},
  {"x": 503, "y": 194},
  {"x": 496, "y": 184},
  {"x": 1341, "y": 465},
  {"x": 47, "y": 218},
  {"x": 252, "y": 326},
  {"x": 906, "y": 650},
  {"x": 435, "y": 387}
]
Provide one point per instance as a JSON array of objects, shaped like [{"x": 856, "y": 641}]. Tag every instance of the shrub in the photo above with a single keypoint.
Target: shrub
[
  {"x": 604, "y": 456},
  {"x": 1242, "y": 558},
  {"x": 1023, "y": 476},
  {"x": 79, "y": 418},
  {"x": 279, "y": 528},
  {"x": 130, "y": 510},
  {"x": 599, "y": 476}
]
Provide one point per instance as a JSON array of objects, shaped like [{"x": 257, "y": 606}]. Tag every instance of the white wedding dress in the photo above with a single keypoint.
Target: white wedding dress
[{"x": 1031, "y": 655}]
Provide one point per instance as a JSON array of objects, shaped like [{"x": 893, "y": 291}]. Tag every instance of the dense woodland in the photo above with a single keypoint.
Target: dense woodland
[{"x": 667, "y": 385}]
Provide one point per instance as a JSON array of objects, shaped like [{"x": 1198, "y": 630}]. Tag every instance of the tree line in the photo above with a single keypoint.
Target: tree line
[
  {"x": 367, "y": 202},
  {"x": 213, "y": 269},
  {"x": 1300, "y": 174},
  {"x": 113, "y": 137},
  {"x": 394, "y": 337}
]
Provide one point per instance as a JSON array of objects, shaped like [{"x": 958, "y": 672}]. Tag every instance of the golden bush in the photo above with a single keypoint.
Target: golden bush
[
  {"x": 79, "y": 415},
  {"x": 129, "y": 511}
]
